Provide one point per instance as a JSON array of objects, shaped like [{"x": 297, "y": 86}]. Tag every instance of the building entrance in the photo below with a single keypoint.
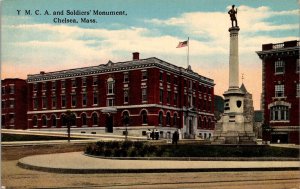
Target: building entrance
[
  {"x": 280, "y": 138},
  {"x": 109, "y": 123}
]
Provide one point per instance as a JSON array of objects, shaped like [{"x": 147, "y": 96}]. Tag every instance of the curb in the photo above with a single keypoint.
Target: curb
[
  {"x": 94, "y": 171},
  {"x": 199, "y": 158}
]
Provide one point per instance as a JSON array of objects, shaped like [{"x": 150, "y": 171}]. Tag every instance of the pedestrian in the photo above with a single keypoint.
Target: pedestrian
[
  {"x": 148, "y": 133},
  {"x": 152, "y": 134},
  {"x": 156, "y": 134},
  {"x": 175, "y": 137}
]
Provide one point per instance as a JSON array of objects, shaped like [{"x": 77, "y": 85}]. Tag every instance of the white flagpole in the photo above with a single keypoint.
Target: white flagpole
[{"x": 188, "y": 53}]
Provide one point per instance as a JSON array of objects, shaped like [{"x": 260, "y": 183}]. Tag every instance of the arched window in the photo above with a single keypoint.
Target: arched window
[
  {"x": 110, "y": 86},
  {"x": 199, "y": 122},
  {"x": 83, "y": 119},
  {"x": 204, "y": 122},
  {"x": 53, "y": 120},
  {"x": 144, "y": 117},
  {"x": 95, "y": 118},
  {"x": 168, "y": 119},
  {"x": 63, "y": 120},
  {"x": 209, "y": 124},
  {"x": 126, "y": 118},
  {"x": 160, "y": 118},
  {"x": 34, "y": 121},
  {"x": 175, "y": 120},
  {"x": 73, "y": 120},
  {"x": 205, "y": 135},
  {"x": 44, "y": 121}
]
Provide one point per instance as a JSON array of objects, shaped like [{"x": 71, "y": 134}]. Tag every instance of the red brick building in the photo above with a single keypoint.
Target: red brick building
[
  {"x": 281, "y": 90},
  {"x": 13, "y": 104},
  {"x": 147, "y": 93}
]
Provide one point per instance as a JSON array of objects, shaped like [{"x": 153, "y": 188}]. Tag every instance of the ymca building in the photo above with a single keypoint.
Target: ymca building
[{"x": 138, "y": 95}]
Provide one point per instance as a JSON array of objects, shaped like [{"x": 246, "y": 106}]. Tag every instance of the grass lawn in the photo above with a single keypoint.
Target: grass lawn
[
  {"x": 5, "y": 137},
  {"x": 145, "y": 149}
]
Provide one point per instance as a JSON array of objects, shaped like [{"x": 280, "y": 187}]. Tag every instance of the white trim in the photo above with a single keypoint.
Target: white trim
[
  {"x": 104, "y": 69},
  {"x": 119, "y": 107},
  {"x": 279, "y": 121}
]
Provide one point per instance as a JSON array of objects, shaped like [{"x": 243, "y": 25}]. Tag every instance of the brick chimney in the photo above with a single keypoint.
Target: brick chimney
[{"x": 135, "y": 56}]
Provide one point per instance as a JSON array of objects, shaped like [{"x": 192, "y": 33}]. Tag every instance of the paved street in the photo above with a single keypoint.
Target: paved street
[{"x": 16, "y": 177}]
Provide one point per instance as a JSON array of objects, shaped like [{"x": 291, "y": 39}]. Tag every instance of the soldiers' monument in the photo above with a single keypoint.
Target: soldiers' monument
[{"x": 234, "y": 127}]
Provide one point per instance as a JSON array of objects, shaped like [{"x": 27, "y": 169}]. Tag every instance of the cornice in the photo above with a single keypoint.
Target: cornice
[{"x": 111, "y": 67}]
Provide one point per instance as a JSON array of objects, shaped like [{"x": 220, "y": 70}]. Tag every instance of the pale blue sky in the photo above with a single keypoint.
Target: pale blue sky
[{"x": 152, "y": 27}]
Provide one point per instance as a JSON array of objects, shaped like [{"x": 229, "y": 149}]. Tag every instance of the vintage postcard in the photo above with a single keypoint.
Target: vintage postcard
[{"x": 150, "y": 94}]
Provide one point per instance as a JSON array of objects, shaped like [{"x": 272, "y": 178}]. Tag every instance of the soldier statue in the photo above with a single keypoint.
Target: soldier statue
[{"x": 232, "y": 14}]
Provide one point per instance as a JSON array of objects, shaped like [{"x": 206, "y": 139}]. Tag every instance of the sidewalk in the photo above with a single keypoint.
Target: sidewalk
[{"x": 77, "y": 162}]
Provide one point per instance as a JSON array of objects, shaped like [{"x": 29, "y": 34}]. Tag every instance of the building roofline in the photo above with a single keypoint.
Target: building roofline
[
  {"x": 116, "y": 67},
  {"x": 18, "y": 79}
]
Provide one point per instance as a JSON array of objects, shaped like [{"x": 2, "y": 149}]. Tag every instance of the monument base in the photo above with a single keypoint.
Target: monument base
[{"x": 229, "y": 132}]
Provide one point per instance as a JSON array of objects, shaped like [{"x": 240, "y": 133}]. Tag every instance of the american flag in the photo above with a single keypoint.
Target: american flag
[{"x": 182, "y": 44}]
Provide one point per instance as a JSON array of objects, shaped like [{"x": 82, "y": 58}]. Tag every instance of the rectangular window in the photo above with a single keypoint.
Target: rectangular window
[
  {"x": 53, "y": 102},
  {"x": 169, "y": 97},
  {"x": 298, "y": 65},
  {"x": 185, "y": 83},
  {"x": 191, "y": 84},
  {"x": 2, "y": 104},
  {"x": 199, "y": 104},
  {"x": 12, "y": 103},
  {"x": 175, "y": 98},
  {"x": 34, "y": 86},
  {"x": 126, "y": 95},
  {"x": 144, "y": 94},
  {"x": 126, "y": 77},
  {"x": 279, "y": 67},
  {"x": 84, "y": 82},
  {"x": 279, "y": 90},
  {"x": 279, "y": 113},
  {"x": 73, "y": 100},
  {"x": 160, "y": 76},
  {"x": 3, "y": 90},
  {"x": 190, "y": 101},
  {"x": 53, "y": 85},
  {"x": 63, "y": 101},
  {"x": 73, "y": 81},
  {"x": 84, "y": 100},
  {"x": 44, "y": 102},
  {"x": 161, "y": 95},
  {"x": 11, "y": 118},
  {"x": 63, "y": 84},
  {"x": 298, "y": 90},
  {"x": 194, "y": 101},
  {"x": 111, "y": 88},
  {"x": 95, "y": 98},
  {"x": 35, "y": 103},
  {"x": 110, "y": 102},
  {"x": 168, "y": 78},
  {"x": 95, "y": 80},
  {"x": 175, "y": 81},
  {"x": 144, "y": 75},
  {"x": 43, "y": 86},
  {"x": 12, "y": 89}
]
